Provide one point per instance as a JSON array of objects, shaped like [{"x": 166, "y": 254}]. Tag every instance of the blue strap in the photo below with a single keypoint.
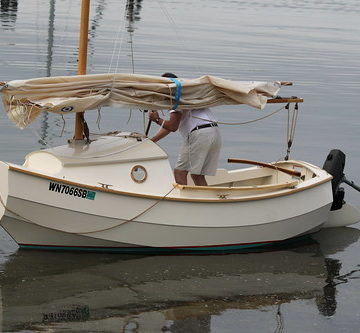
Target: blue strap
[{"x": 177, "y": 92}]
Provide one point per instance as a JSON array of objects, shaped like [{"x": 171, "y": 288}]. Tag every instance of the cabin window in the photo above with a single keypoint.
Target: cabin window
[{"x": 138, "y": 174}]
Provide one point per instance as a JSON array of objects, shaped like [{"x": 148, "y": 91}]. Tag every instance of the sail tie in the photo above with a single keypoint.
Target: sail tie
[{"x": 177, "y": 92}]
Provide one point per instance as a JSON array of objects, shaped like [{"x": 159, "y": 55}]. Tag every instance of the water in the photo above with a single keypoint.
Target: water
[{"x": 309, "y": 287}]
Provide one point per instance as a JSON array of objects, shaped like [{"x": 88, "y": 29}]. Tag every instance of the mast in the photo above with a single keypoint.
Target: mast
[{"x": 83, "y": 45}]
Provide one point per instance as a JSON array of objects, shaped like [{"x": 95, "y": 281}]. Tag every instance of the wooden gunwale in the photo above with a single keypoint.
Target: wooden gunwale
[
  {"x": 166, "y": 198},
  {"x": 285, "y": 100},
  {"x": 239, "y": 188},
  {"x": 265, "y": 165}
]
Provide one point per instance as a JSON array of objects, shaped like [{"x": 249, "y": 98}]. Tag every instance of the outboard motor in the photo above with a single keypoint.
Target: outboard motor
[{"x": 334, "y": 165}]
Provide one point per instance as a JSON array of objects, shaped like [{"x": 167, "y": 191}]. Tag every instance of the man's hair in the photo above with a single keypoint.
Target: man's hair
[{"x": 168, "y": 74}]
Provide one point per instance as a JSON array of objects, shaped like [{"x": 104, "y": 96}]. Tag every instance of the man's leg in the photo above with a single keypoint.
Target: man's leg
[
  {"x": 199, "y": 180},
  {"x": 180, "y": 176}
]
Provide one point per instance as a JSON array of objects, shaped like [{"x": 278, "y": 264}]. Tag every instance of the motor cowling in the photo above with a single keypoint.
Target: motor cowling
[{"x": 334, "y": 165}]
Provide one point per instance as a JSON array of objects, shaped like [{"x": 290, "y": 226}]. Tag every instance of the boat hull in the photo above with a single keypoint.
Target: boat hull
[
  {"x": 169, "y": 226},
  {"x": 145, "y": 237},
  {"x": 108, "y": 220}
]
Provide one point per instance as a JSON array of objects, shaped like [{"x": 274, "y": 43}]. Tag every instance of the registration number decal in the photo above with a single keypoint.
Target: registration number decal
[{"x": 72, "y": 190}]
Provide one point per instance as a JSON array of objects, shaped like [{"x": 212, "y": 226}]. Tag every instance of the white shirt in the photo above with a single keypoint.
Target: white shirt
[{"x": 190, "y": 119}]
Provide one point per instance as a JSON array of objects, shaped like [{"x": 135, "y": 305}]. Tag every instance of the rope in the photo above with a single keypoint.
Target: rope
[
  {"x": 12, "y": 212},
  {"x": 130, "y": 220},
  {"x": 88, "y": 232},
  {"x": 241, "y": 123},
  {"x": 291, "y": 128},
  {"x": 110, "y": 154},
  {"x": 118, "y": 41},
  {"x": 132, "y": 52},
  {"x": 179, "y": 36}
]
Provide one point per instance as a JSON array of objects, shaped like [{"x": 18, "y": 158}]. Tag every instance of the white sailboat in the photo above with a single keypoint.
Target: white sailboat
[{"x": 117, "y": 192}]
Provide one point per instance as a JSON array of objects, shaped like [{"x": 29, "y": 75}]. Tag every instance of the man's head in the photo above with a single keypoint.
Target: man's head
[{"x": 168, "y": 74}]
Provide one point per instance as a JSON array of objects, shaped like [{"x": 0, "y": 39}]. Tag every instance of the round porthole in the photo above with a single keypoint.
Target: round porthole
[{"x": 138, "y": 174}]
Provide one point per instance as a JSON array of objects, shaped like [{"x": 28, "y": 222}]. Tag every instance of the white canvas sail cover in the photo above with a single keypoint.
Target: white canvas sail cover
[{"x": 25, "y": 99}]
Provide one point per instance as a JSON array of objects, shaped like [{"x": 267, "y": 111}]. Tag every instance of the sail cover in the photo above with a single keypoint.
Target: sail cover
[{"x": 25, "y": 99}]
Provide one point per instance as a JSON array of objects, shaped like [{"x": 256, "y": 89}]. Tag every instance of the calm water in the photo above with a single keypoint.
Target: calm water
[{"x": 310, "y": 287}]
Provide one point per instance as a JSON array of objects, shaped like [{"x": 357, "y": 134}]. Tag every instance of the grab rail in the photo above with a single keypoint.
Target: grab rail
[{"x": 266, "y": 165}]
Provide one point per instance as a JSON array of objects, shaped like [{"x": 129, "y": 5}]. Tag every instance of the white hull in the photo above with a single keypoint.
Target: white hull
[
  {"x": 160, "y": 216},
  {"x": 140, "y": 234}
]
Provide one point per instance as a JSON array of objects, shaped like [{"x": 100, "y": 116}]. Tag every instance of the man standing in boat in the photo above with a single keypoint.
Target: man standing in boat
[{"x": 202, "y": 141}]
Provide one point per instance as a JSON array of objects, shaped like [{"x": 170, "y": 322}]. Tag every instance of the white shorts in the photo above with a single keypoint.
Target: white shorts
[{"x": 200, "y": 152}]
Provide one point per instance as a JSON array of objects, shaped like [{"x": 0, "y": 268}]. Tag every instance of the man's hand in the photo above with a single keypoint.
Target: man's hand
[{"x": 154, "y": 116}]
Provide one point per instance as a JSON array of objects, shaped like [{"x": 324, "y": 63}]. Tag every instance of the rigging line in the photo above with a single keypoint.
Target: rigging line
[
  {"x": 122, "y": 40},
  {"x": 63, "y": 127},
  {"x": 98, "y": 120},
  {"x": 240, "y": 123},
  {"x": 129, "y": 117},
  {"x": 12, "y": 212},
  {"x": 291, "y": 126},
  {"x": 107, "y": 155},
  {"x": 88, "y": 232},
  {"x": 294, "y": 121},
  {"x": 117, "y": 47},
  {"x": 176, "y": 29},
  {"x": 144, "y": 121},
  {"x": 65, "y": 36},
  {"x": 132, "y": 52},
  {"x": 118, "y": 43},
  {"x": 288, "y": 121},
  {"x": 130, "y": 220}
]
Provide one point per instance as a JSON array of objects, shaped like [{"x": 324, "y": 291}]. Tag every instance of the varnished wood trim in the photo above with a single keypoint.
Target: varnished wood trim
[
  {"x": 285, "y": 100},
  {"x": 266, "y": 165},
  {"x": 239, "y": 188},
  {"x": 147, "y": 196},
  {"x": 138, "y": 166}
]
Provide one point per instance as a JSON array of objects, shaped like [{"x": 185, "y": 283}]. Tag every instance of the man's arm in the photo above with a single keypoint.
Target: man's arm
[
  {"x": 160, "y": 134},
  {"x": 167, "y": 126}
]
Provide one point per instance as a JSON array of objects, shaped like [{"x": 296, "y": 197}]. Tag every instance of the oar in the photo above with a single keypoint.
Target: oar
[{"x": 265, "y": 165}]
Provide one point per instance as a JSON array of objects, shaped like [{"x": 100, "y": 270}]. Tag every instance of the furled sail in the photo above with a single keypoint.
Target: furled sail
[{"x": 25, "y": 99}]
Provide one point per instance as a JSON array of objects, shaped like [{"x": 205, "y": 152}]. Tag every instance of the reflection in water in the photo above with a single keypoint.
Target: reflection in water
[
  {"x": 133, "y": 8},
  {"x": 44, "y": 123},
  {"x": 95, "y": 22},
  {"x": 107, "y": 292},
  {"x": 280, "y": 321},
  {"x": 8, "y": 12},
  {"x": 50, "y": 39},
  {"x": 327, "y": 302}
]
